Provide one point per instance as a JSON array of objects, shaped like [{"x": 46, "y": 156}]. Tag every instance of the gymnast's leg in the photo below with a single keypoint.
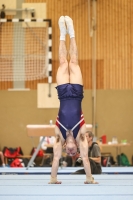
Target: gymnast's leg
[
  {"x": 75, "y": 72},
  {"x": 62, "y": 76}
]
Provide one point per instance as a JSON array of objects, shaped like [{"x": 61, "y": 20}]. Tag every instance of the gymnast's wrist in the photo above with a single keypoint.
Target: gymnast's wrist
[
  {"x": 89, "y": 179},
  {"x": 53, "y": 179}
]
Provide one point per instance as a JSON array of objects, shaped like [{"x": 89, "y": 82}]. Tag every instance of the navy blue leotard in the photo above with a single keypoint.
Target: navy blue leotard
[{"x": 70, "y": 111}]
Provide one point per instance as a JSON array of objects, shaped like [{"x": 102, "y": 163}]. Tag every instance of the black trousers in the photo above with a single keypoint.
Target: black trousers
[{"x": 95, "y": 169}]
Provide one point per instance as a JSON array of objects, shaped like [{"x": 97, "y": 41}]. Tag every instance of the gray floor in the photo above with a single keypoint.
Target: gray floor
[{"x": 34, "y": 187}]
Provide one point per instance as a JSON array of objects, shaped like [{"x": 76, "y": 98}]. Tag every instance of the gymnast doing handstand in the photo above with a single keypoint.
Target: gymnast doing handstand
[{"x": 70, "y": 126}]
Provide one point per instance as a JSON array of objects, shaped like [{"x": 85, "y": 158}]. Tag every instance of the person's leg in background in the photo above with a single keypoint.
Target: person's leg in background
[{"x": 2, "y": 158}]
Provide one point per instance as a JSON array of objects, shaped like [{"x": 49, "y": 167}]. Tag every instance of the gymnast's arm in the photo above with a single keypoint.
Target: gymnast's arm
[
  {"x": 57, "y": 148},
  {"x": 83, "y": 145}
]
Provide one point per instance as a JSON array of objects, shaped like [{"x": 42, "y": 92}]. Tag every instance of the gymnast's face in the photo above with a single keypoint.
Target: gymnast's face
[{"x": 71, "y": 148}]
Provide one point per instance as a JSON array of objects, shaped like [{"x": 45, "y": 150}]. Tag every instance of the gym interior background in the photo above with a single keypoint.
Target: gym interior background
[{"x": 114, "y": 77}]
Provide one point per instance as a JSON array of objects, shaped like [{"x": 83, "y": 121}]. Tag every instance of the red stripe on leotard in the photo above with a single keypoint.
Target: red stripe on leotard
[{"x": 83, "y": 122}]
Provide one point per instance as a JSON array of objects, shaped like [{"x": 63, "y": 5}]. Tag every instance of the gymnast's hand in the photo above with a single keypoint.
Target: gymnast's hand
[
  {"x": 57, "y": 182},
  {"x": 90, "y": 180}
]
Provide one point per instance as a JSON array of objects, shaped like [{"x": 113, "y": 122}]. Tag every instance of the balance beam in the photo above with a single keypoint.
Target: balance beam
[{"x": 38, "y": 131}]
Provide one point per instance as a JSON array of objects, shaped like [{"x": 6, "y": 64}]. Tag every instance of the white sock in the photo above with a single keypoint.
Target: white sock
[
  {"x": 62, "y": 28},
  {"x": 70, "y": 28},
  {"x": 3, "y": 164}
]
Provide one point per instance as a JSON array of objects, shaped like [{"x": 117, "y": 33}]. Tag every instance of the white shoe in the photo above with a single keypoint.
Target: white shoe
[{"x": 62, "y": 28}]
